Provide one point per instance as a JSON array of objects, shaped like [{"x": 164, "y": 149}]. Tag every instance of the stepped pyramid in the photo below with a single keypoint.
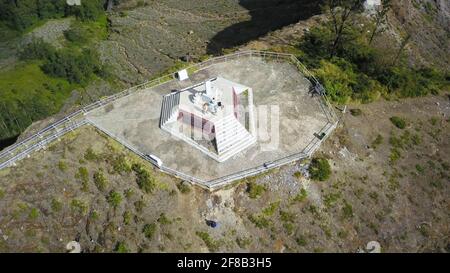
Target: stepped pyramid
[{"x": 211, "y": 109}]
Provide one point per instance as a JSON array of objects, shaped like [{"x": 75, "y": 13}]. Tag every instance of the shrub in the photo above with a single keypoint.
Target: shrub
[
  {"x": 320, "y": 169},
  {"x": 114, "y": 199},
  {"x": 398, "y": 122},
  {"x": 210, "y": 243},
  {"x": 143, "y": 178},
  {"x": 78, "y": 206},
  {"x": 301, "y": 196},
  {"x": 183, "y": 187},
  {"x": 127, "y": 216},
  {"x": 76, "y": 34},
  {"x": 76, "y": 67},
  {"x": 255, "y": 190},
  {"x": 149, "y": 230},
  {"x": 100, "y": 180},
  {"x": 121, "y": 248},
  {"x": 37, "y": 49},
  {"x": 62, "y": 166},
  {"x": 260, "y": 221},
  {"x": 301, "y": 240},
  {"x": 83, "y": 175},
  {"x": 120, "y": 164},
  {"x": 34, "y": 214},
  {"x": 56, "y": 205},
  {"x": 347, "y": 210},
  {"x": 90, "y": 155}
]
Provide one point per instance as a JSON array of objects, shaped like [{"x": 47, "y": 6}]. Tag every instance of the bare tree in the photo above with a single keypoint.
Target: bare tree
[
  {"x": 380, "y": 19},
  {"x": 341, "y": 12}
]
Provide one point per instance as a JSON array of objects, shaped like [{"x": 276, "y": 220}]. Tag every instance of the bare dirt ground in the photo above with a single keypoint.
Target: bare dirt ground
[{"x": 400, "y": 202}]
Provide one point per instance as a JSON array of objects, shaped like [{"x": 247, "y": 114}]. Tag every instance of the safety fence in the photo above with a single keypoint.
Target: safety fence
[{"x": 35, "y": 142}]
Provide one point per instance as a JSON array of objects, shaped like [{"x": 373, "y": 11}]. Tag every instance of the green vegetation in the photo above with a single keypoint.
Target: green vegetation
[
  {"x": 183, "y": 187},
  {"x": 149, "y": 230},
  {"x": 398, "y": 122},
  {"x": 23, "y": 14},
  {"x": 2, "y": 193},
  {"x": 62, "y": 166},
  {"x": 144, "y": 179},
  {"x": 301, "y": 196},
  {"x": 255, "y": 190},
  {"x": 121, "y": 248},
  {"x": 100, "y": 180},
  {"x": 163, "y": 220},
  {"x": 78, "y": 206},
  {"x": 56, "y": 205},
  {"x": 210, "y": 243},
  {"x": 76, "y": 66},
  {"x": 83, "y": 175},
  {"x": 351, "y": 68},
  {"x": 114, "y": 199},
  {"x": 301, "y": 240},
  {"x": 270, "y": 210},
  {"x": 260, "y": 221},
  {"x": 127, "y": 217},
  {"x": 347, "y": 210},
  {"x": 121, "y": 165},
  {"x": 320, "y": 169},
  {"x": 90, "y": 155},
  {"x": 28, "y": 95},
  {"x": 34, "y": 214},
  {"x": 38, "y": 85}
]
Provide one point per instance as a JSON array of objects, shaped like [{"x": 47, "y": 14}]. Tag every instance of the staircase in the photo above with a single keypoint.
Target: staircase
[
  {"x": 169, "y": 108},
  {"x": 231, "y": 137}
]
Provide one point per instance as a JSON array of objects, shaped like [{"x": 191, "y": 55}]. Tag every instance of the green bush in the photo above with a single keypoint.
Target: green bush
[
  {"x": 121, "y": 248},
  {"x": 398, "y": 122},
  {"x": 37, "y": 49},
  {"x": 76, "y": 34},
  {"x": 355, "y": 112},
  {"x": 149, "y": 230},
  {"x": 100, "y": 180},
  {"x": 255, "y": 190},
  {"x": 114, "y": 199},
  {"x": 144, "y": 179},
  {"x": 320, "y": 169}
]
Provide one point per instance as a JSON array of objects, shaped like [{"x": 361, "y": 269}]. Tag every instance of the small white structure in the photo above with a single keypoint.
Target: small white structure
[
  {"x": 208, "y": 116},
  {"x": 182, "y": 75}
]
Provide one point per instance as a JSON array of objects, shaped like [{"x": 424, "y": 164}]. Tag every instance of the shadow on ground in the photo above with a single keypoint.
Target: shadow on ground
[{"x": 266, "y": 16}]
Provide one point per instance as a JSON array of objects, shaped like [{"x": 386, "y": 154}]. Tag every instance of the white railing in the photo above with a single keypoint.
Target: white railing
[{"x": 22, "y": 149}]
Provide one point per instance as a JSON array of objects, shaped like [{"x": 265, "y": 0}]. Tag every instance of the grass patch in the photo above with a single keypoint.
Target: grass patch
[
  {"x": 320, "y": 169},
  {"x": 100, "y": 180},
  {"x": 29, "y": 95},
  {"x": 212, "y": 245},
  {"x": 255, "y": 190},
  {"x": 145, "y": 181},
  {"x": 121, "y": 247},
  {"x": 301, "y": 196},
  {"x": 149, "y": 230},
  {"x": 114, "y": 199},
  {"x": 270, "y": 210},
  {"x": 398, "y": 122}
]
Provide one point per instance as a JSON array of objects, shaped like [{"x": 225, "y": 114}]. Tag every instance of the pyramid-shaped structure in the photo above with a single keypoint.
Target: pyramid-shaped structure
[{"x": 215, "y": 116}]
